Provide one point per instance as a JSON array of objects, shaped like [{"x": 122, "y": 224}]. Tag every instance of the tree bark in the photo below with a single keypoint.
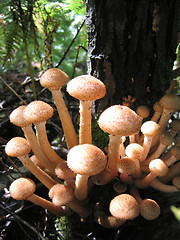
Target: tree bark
[{"x": 131, "y": 47}]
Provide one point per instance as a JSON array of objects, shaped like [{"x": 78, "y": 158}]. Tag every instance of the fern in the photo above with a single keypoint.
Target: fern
[{"x": 78, "y": 6}]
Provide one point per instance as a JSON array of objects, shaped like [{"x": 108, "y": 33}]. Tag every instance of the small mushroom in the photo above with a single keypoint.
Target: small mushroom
[
  {"x": 54, "y": 79},
  {"x": 157, "y": 112},
  {"x": 64, "y": 195},
  {"x": 38, "y": 112},
  {"x": 24, "y": 188},
  {"x": 124, "y": 207},
  {"x": 126, "y": 166},
  {"x": 158, "y": 185},
  {"x": 20, "y": 148},
  {"x": 86, "y": 88},
  {"x": 174, "y": 127},
  {"x": 175, "y": 156},
  {"x": 85, "y": 160}
]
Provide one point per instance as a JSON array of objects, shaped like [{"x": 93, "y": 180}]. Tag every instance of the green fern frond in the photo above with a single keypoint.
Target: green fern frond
[{"x": 78, "y": 6}]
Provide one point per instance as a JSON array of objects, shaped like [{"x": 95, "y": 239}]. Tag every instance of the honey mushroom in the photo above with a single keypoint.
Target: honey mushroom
[
  {"x": 20, "y": 148},
  {"x": 149, "y": 209},
  {"x": 158, "y": 185},
  {"x": 17, "y": 118},
  {"x": 157, "y": 112},
  {"x": 86, "y": 88},
  {"x": 54, "y": 79},
  {"x": 119, "y": 121},
  {"x": 64, "y": 195},
  {"x": 37, "y": 113},
  {"x": 174, "y": 127},
  {"x": 24, "y": 188},
  {"x": 85, "y": 160}
]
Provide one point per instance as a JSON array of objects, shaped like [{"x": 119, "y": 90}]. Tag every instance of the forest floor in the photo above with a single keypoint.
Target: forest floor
[{"x": 23, "y": 220}]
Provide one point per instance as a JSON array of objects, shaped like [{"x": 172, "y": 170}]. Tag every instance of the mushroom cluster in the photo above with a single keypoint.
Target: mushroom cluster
[{"x": 142, "y": 152}]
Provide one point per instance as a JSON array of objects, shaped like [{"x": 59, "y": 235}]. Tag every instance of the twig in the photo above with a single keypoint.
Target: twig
[
  {"x": 22, "y": 221},
  {"x": 73, "y": 40}
]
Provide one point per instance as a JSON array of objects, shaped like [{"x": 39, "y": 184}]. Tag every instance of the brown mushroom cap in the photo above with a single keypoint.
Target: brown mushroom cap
[
  {"x": 150, "y": 128},
  {"x": 63, "y": 171},
  {"x": 149, "y": 209},
  {"x": 158, "y": 167},
  {"x": 22, "y": 188},
  {"x": 37, "y": 111},
  {"x": 124, "y": 206},
  {"x": 17, "y": 147},
  {"x": 120, "y": 120},
  {"x": 86, "y": 159},
  {"x": 16, "y": 117},
  {"x": 54, "y": 79},
  {"x": 86, "y": 88},
  {"x": 61, "y": 194},
  {"x": 126, "y": 165},
  {"x": 157, "y": 107},
  {"x": 135, "y": 151},
  {"x": 171, "y": 102},
  {"x": 143, "y": 111}
]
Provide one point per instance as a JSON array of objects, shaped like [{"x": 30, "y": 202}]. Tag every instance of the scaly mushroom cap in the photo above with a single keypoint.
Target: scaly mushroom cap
[
  {"x": 124, "y": 206},
  {"x": 171, "y": 102},
  {"x": 22, "y": 188},
  {"x": 149, "y": 209},
  {"x": 150, "y": 128},
  {"x": 37, "y": 111},
  {"x": 16, "y": 117},
  {"x": 61, "y": 194},
  {"x": 158, "y": 167},
  {"x": 86, "y": 88},
  {"x": 54, "y": 79},
  {"x": 135, "y": 151},
  {"x": 126, "y": 165},
  {"x": 86, "y": 159},
  {"x": 17, "y": 147},
  {"x": 119, "y": 120}
]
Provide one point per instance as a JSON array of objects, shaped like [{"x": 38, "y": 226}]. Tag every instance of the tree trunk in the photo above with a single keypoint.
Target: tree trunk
[{"x": 131, "y": 47}]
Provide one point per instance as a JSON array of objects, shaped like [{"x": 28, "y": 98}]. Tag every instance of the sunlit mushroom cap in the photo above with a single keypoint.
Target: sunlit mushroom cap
[
  {"x": 37, "y": 111},
  {"x": 135, "y": 151},
  {"x": 158, "y": 167},
  {"x": 61, "y": 194},
  {"x": 150, "y": 128},
  {"x": 86, "y": 88},
  {"x": 16, "y": 117},
  {"x": 119, "y": 120},
  {"x": 54, "y": 79},
  {"x": 170, "y": 101},
  {"x": 86, "y": 159},
  {"x": 124, "y": 206},
  {"x": 17, "y": 147},
  {"x": 149, "y": 209},
  {"x": 22, "y": 188}
]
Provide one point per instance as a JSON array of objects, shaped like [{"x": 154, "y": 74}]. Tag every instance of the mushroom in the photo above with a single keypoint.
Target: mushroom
[
  {"x": 24, "y": 188},
  {"x": 158, "y": 185},
  {"x": 19, "y": 147},
  {"x": 157, "y": 168},
  {"x": 64, "y": 195},
  {"x": 119, "y": 121},
  {"x": 175, "y": 156},
  {"x": 165, "y": 141},
  {"x": 174, "y": 127},
  {"x": 86, "y": 88},
  {"x": 85, "y": 160},
  {"x": 126, "y": 166},
  {"x": 149, "y": 209},
  {"x": 124, "y": 207},
  {"x": 176, "y": 182},
  {"x": 157, "y": 112},
  {"x": 150, "y": 129},
  {"x": 16, "y": 117},
  {"x": 37, "y": 112},
  {"x": 54, "y": 79},
  {"x": 173, "y": 171},
  {"x": 173, "y": 84}
]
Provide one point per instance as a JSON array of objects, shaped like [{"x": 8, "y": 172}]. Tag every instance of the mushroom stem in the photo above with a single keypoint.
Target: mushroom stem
[
  {"x": 81, "y": 182},
  {"x": 163, "y": 187},
  {"x": 69, "y": 131},
  {"x": 85, "y": 135},
  {"x": 172, "y": 172}
]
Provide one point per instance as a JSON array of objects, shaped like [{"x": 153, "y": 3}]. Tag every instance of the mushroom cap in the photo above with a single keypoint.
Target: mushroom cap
[
  {"x": 158, "y": 167},
  {"x": 119, "y": 120},
  {"x": 36, "y": 161},
  {"x": 54, "y": 79},
  {"x": 175, "y": 125},
  {"x": 150, "y": 128},
  {"x": 86, "y": 159},
  {"x": 16, "y": 117},
  {"x": 126, "y": 165},
  {"x": 166, "y": 139},
  {"x": 63, "y": 171},
  {"x": 143, "y": 111},
  {"x": 17, "y": 147},
  {"x": 61, "y": 194},
  {"x": 37, "y": 111},
  {"x": 22, "y": 188},
  {"x": 171, "y": 102},
  {"x": 86, "y": 88},
  {"x": 124, "y": 206},
  {"x": 157, "y": 107},
  {"x": 135, "y": 151},
  {"x": 175, "y": 151},
  {"x": 149, "y": 209}
]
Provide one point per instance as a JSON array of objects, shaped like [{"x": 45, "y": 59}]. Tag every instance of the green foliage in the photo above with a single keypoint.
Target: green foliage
[
  {"x": 176, "y": 212},
  {"x": 77, "y": 6}
]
